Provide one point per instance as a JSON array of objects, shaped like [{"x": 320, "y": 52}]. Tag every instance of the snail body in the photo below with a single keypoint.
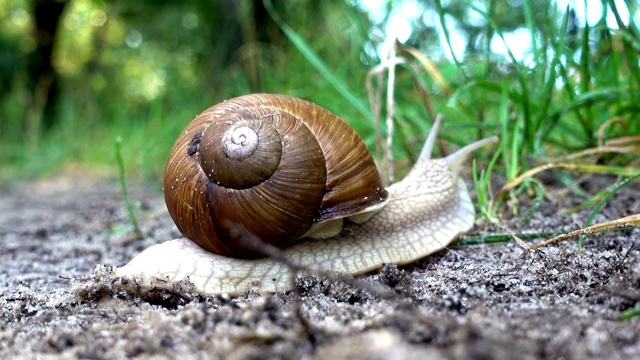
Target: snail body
[{"x": 411, "y": 219}]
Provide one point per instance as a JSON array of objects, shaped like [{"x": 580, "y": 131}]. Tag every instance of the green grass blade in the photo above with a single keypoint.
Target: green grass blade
[
  {"x": 445, "y": 31},
  {"x": 530, "y": 22},
  {"x": 629, "y": 314},
  {"x": 318, "y": 63},
  {"x": 601, "y": 204},
  {"x": 123, "y": 189},
  {"x": 499, "y": 238}
]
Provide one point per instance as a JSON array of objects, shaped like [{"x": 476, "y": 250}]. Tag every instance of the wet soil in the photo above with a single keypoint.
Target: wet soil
[{"x": 493, "y": 301}]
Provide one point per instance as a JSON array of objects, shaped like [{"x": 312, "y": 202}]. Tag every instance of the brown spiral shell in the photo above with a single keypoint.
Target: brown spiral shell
[{"x": 273, "y": 164}]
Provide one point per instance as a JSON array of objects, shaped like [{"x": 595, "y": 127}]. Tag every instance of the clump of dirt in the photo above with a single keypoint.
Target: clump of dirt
[{"x": 60, "y": 238}]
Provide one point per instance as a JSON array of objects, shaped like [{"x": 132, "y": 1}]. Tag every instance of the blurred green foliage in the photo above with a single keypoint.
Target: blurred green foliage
[{"x": 143, "y": 70}]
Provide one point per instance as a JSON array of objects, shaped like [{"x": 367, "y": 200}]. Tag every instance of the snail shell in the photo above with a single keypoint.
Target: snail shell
[{"x": 281, "y": 167}]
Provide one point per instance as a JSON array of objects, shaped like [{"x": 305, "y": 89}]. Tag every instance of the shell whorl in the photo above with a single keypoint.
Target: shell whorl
[
  {"x": 241, "y": 151},
  {"x": 270, "y": 163}
]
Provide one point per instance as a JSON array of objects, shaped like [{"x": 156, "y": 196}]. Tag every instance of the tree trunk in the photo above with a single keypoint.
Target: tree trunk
[{"x": 41, "y": 77}]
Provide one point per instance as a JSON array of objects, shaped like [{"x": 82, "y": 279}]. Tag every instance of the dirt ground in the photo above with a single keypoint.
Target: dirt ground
[{"x": 488, "y": 301}]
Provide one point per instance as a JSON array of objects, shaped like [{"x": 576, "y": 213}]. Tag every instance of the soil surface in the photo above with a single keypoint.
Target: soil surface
[{"x": 493, "y": 301}]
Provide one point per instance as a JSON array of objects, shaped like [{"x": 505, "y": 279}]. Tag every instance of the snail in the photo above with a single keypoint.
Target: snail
[{"x": 314, "y": 175}]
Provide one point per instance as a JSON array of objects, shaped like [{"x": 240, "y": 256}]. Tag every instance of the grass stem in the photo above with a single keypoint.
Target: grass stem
[{"x": 123, "y": 189}]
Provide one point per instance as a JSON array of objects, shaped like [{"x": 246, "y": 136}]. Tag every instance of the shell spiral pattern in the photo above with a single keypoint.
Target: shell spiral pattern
[{"x": 273, "y": 164}]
